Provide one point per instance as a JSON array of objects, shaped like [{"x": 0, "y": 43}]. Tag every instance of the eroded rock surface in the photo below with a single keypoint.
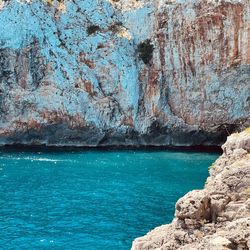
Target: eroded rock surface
[
  {"x": 217, "y": 217},
  {"x": 123, "y": 72}
]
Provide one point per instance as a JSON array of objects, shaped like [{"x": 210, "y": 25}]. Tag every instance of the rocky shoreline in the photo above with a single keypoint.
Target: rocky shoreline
[
  {"x": 217, "y": 217},
  {"x": 56, "y": 147}
]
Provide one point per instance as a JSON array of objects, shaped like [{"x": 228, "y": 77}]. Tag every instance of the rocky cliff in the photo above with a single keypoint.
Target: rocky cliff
[
  {"x": 217, "y": 217},
  {"x": 123, "y": 72}
]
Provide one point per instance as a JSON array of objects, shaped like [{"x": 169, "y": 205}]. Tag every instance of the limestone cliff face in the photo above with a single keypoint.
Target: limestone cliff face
[
  {"x": 123, "y": 72},
  {"x": 217, "y": 217}
]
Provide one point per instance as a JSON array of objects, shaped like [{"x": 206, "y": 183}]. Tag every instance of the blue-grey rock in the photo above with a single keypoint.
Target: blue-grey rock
[{"x": 98, "y": 73}]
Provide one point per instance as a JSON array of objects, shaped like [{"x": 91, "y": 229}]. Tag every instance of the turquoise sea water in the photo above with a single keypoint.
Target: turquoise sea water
[{"x": 91, "y": 199}]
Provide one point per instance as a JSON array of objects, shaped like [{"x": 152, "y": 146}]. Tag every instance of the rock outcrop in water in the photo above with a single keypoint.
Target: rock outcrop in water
[
  {"x": 123, "y": 72},
  {"x": 217, "y": 217}
]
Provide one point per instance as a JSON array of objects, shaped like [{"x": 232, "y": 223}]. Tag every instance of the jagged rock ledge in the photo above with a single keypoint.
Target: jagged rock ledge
[{"x": 217, "y": 217}]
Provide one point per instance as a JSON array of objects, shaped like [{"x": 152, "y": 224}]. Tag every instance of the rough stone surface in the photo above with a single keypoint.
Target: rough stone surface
[
  {"x": 123, "y": 72},
  {"x": 217, "y": 217}
]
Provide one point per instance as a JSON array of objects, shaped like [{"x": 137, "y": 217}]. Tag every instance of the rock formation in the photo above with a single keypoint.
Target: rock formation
[
  {"x": 217, "y": 217},
  {"x": 123, "y": 72}
]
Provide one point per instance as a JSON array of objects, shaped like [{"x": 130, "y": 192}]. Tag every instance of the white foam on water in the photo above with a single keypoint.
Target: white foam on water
[{"x": 42, "y": 159}]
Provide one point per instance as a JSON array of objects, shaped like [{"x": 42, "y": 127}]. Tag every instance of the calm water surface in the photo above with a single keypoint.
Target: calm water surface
[{"x": 91, "y": 199}]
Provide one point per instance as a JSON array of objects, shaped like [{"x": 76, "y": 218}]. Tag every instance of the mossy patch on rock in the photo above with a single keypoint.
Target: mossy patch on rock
[
  {"x": 247, "y": 130},
  {"x": 145, "y": 50},
  {"x": 92, "y": 29}
]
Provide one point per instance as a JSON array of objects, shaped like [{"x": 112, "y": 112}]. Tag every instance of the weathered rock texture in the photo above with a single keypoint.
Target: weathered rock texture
[
  {"x": 123, "y": 72},
  {"x": 217, "y": 217}
]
